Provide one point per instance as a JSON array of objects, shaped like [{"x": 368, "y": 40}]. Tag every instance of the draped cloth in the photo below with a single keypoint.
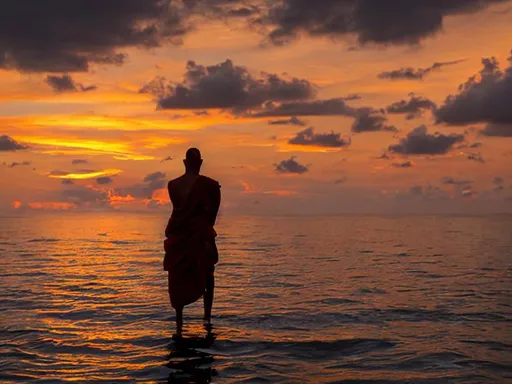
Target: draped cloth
[{"x": 190, "y": 249}]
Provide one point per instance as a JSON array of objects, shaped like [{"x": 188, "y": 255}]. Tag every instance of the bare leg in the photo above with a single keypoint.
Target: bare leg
[
  {"x": 208, "y": 298},
  {"x": 179, "y": 321}
]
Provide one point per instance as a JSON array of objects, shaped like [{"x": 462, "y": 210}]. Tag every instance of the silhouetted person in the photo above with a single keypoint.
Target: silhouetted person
[{"x": 190, "y": 249}]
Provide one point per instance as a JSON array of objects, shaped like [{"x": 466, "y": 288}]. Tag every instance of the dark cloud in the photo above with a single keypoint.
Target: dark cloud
[
  {"x": 474, "y": 145},
  {"x": 368, "y": 120},
  {"x": 226, "y": 86},
  {"x": 416, "y": 190},
  {"x": 413, "y": 107},
  {"x": 65, "y": 83},
  {"x": 168, "y": 158},
  {"x": 341, "y": 180},
  {"x": 352, "y": 97},
  {"x": 462, "y": 186},
  {"x": 61, "y": 36},
  {"x": 482, "y": 99},
  {"x": 155, "y": 180},
  {"x": 67, "y": 36},
  {"x": 16, "y": 164},
  {"x": 371, "y": 21},
  {"x": 384, "y": 156},
  {"x": 104, "y": 180},
  {"x": 309, "y": 137},
  {"x": 499, "y": 130},
  {"x": 67, "y": 182},
  {"x": 58, "y": 172},
  {"x": 9, "y": 144},
  {"x": 154, "y": 177},
  {"x": 294, "y": 120},
  {"x": 83, "y": 195},
  {"x": 498, "y": 180},
  {"x": 79, "y": 161},
  {"x": 242, "y": 12},
  {"x": 468, "y": 193},
  {"x": 290, "y": 166},
  {"x": 330, "y": 107},
  {"x": 224, "y": 8},
  {"x": 144, "y": 190},
  {"x": 420, "y": 142},
  {"x": 410, "y": 73},
  {"x": 405, "y": 164},
  {"x": 447, "y": 180},
  {"x": 476, "y": 157}
]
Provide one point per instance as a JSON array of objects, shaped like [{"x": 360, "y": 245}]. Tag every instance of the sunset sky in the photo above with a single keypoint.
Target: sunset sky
[{"x": 309, "y": 107}]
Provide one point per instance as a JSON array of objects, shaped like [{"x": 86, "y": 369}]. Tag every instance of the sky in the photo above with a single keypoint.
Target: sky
[{"x": 298, "y": 107}]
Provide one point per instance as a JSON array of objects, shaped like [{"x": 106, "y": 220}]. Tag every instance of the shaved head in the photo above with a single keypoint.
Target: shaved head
[{"x": 193, "y": 160}]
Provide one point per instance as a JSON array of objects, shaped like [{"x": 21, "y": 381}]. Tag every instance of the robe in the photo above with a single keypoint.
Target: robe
[{"x": 190, "y": 249}]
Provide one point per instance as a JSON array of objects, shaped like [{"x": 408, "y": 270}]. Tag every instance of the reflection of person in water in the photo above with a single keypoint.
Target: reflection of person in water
[{"x": 190, "y": 250}]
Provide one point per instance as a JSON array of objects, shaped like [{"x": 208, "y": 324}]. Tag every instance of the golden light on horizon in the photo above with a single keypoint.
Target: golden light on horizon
[{"x": 86, "y": 175}]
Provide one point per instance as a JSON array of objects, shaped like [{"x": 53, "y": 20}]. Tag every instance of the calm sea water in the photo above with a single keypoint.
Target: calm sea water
[{"x": 298, "y": 299}]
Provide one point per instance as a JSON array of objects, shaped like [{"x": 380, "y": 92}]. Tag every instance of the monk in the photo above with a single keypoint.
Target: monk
[{"x": 190, "y": 249}]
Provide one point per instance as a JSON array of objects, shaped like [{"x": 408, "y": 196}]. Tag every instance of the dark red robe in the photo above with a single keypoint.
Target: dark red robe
[{"x": 190, "y": 249}]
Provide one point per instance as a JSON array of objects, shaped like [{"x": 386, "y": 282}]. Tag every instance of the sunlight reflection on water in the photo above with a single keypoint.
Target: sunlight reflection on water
[{"x": 318, "y": 299}]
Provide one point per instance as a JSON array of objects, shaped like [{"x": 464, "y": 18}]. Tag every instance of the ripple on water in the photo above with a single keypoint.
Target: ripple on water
[{"x": 359, "y": 306}]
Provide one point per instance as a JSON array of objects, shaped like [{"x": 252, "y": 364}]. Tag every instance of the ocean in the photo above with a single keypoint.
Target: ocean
[{"x": 333, "y": 299}]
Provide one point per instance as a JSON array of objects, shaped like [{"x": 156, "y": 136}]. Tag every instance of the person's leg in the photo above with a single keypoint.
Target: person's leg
[
  {"x": 208, "y": 296},
  {"x": 179, "y": 321},
  {"x": 179, "y": 310}
]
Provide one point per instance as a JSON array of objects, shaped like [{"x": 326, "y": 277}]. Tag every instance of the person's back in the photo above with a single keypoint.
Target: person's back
[{"x": 191, "y": 253}]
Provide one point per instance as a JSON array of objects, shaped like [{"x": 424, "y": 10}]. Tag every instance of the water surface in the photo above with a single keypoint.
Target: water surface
[{"x": 298, "y": 299}]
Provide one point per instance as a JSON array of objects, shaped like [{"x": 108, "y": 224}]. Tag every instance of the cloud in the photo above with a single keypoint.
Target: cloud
[
  {"x": 484, "y": 98},
  {"x": 476, "y": 157},
  {"x": 226, "y": 86},
  {"x": 65, "y": 83},
  {"x": 409, "y": 73},
  {"x": 16, "y": 164},
  {"x": 468, "y": 193},
  {"x": 447, "y": 180},
  {"x": 368, "y": 120},
  {"x": 9, "y": 144},
  {"x": 309, "y": 137},
  {"x": 83, "y": 195},
  {"x": 474, "y": 145},
  {"x": 413, "y": 107},
  {"x": 405, "y": 164},
  {"x": 168, "y": 158},
  {"x": 341, "y": 180},
  {"x": 291, "y": 166},
  {"x": 294, "y": 120},
  {"x": 68, "y": 36},
  {"x": 498, "y": 180},
  {"x": 384, "y": 156},
  {"x": 104, "y": 180},
  {"x": 420, "y": 142},
  {"x": 499, "y": 130},
  {"x": 330, "y": 107},
  {"x": 67, "y": 182},
  {"x": 154, "y": 177},
  {"x": 79, "y": 161},
  {"x": 82, "y": 174},
  {"x": 416, "y": 190},
  {"x": 151, "y": 183},
  {"x": 371, "y": 21}
]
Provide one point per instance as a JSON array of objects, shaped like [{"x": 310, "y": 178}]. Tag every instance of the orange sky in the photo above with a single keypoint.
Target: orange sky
[{"x": 93, "y": 150}]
